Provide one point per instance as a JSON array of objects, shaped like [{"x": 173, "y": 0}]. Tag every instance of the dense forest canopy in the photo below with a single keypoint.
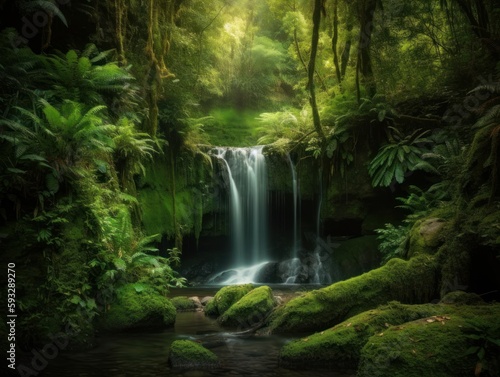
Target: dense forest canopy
[{"x": 104, "y": 101}]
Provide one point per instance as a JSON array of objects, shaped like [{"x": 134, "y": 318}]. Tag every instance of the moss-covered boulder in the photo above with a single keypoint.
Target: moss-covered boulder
[
  {"x": 426, "y": 236},
  {"x": 251, "y": 310},
  {"x": 410, "y": 282},
  {"x": 138, "y": 306},
  {"x": 191, "y": 355},
  {"x": 341, "y": 345},
  {"x": 183, "y": 304},
  {"x": 226, "y": 297},
  {"x": 463, "y": 343}
]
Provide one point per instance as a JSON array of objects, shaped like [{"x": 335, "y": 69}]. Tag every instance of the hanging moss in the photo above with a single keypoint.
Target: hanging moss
[{"x": 412, "y": 281}]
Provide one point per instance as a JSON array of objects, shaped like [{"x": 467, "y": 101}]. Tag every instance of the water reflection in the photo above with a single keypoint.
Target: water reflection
[{"x": 145, "y": 354}]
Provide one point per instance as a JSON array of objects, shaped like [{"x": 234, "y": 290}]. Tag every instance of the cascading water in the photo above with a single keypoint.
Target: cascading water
[
  {"x": 246, "y": 177},
  {"x": 320, "y": 275},
  {"x": 247, "y": 173},
  {"x": 296, "y": 230}
]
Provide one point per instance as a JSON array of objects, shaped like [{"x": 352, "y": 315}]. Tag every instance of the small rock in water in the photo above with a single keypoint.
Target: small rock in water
[{"x": 205, "y": 300}]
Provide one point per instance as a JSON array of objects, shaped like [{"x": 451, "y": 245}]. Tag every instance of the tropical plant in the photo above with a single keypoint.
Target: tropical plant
[
  {"x": 69, "y": 135},
  {"x": 402, "y": 155},
  {"x": 393, "y": 241},
  {"x": 131, "y": 149},
  {"x": 87, "y": 78},
  {"x": 484, "y": 153},
  {"x": 485, "y": 345}
]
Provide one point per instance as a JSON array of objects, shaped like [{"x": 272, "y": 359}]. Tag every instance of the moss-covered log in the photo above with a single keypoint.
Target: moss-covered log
[
  {"x": 341, "y": 345},
  {"x": 411, "y": 282},
  {"x": 463, "y": 343}
]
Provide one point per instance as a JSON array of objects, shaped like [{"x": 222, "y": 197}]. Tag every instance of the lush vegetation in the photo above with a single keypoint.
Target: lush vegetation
[{"x": 108, "y": 109}]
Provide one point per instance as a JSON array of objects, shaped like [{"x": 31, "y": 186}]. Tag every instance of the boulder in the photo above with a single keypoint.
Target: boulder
[
  {"x": 187, "y": 354},
  {"x": 251, "y": 310},
  {"x": 183, "y": 304},
  {"x": 410, "y": 282},
  {"x": 226, "y": 297},
  {"x": 138, "y": 306}
]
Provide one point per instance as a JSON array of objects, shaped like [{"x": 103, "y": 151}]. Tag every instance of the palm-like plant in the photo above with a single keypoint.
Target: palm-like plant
[
  {"x": 19, "y": 73},
  {"x": 84, "y": 78},
  {"x": 69, "y": 135},
  {"x": 402, "y": 154}
]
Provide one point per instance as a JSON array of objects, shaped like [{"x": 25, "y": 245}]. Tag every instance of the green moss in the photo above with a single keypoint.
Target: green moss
[
  {"x": 189, "y": 354},
  {"x": 341, "y": 345},
  {"x": 436, "y": 347},
  {"x": 250, "y": 309},
  {"x": 412, "y": 281},
  {"x": 183, "y": 303},
  {"x": 426, "y": 236},
  {"x": 136, "y": 307},
  {"x": 226, "y": 297}
]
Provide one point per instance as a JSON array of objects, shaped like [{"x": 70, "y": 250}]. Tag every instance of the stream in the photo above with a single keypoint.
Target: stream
[{"x": 145, "y": 353}]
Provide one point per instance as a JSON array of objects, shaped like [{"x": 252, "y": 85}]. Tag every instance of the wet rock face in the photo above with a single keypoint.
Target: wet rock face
[{"x": 187, "y": 354}]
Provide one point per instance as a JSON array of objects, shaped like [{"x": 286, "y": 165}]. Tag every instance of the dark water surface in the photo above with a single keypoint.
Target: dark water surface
[{"x": 145, "y": 353}]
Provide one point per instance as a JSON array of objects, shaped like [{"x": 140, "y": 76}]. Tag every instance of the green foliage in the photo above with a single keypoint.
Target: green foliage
[
  {"x": 85, "y": 78},
  {"x": 486, "y": 347},
  {"x": 402, "y": 155},
  {"x": 393, "y": 241}
]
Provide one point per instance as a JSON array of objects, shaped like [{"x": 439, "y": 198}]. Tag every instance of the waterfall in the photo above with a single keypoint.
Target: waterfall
[
  {"x": 320, "y": 276},
  {"x": 247, "y": 172},
  {"x": 295, "y": 245}
]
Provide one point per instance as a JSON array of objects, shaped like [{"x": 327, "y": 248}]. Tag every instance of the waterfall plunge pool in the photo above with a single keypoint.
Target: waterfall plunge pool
[{"x": 145, "y": 353}]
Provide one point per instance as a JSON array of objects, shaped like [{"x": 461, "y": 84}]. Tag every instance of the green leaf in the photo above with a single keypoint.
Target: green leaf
[
  {"x": 139, "y": 287},
  {"x": 75, "y": 300},
  {"x": 472, "y": 350},
  {"x": 120, "y": 264}
]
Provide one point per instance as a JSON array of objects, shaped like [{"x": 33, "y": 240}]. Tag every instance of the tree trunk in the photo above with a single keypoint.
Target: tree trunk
[
  {"x": 335, "y": 39},
  {"x": 344, "y": 59},
  {"x": 366, "y": 13},
  {"x": 318, "y": 6}
]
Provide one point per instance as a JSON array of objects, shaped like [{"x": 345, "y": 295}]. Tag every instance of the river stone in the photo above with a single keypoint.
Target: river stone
[
  {"x": 196, "y": 301},
  {"x": 189, "y": 355},
  {"x": 251, "y": 310},
  {"x": 205, "y": 300}
]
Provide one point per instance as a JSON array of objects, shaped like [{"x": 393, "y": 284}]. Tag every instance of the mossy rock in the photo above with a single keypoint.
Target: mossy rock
[
  {"x": 226, "y": 297},
  {"x": 191, "y": 355},
  {"x": 410, "y": 282},
  {"x": 183, "y": 304},
  {"x": 439, "y": 346},
  {"x": 461, "y": 298},
  {"x": 138, "y": 306},
  {"x": 340, "y": 346},
  {"x": 250, "y": 310},
  {"x": 426, "y": 236}
]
